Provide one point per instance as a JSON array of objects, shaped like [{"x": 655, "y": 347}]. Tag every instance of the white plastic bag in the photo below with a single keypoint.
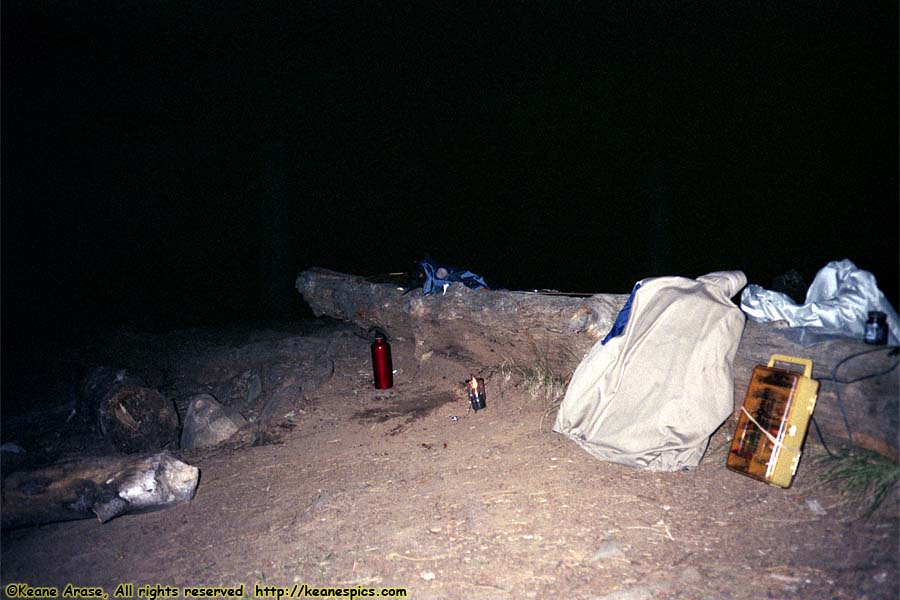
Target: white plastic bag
[{"x": 838, "y": 302}]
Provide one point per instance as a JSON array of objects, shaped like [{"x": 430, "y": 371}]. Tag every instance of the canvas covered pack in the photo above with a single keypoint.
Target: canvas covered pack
[{"x": 652, "y": 395}]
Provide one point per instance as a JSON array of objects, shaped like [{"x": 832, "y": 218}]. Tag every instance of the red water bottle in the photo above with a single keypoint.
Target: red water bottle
[{"x": 381, "y": 363}]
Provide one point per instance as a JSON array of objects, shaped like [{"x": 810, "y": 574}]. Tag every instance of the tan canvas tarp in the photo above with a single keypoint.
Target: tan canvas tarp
[{"x": 652, "y": 396}]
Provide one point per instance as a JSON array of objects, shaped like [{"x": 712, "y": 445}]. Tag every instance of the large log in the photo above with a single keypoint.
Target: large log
[
  {"x": 102, "y": 487},
  {"x": 484, "y": 326},
  {"x": 489, "y": 327}
]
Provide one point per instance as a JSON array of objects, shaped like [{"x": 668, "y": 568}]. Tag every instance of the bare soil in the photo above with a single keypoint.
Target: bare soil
[{"x": 382, "y": 488}]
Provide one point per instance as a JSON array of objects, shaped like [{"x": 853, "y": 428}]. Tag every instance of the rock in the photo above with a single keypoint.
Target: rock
[{"x": 208, "y": 423}]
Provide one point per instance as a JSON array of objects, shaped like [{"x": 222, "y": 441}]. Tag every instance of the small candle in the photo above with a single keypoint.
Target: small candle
[{"x": 477, "y": 396}]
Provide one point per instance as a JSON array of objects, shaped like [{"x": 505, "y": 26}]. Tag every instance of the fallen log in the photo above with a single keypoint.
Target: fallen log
[
  {"x": 483, "y": 326},
  {"x": 493, "y": 327},
  {"x": 102, "y": 487}
]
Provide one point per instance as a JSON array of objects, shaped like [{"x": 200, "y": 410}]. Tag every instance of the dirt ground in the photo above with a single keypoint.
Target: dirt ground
[{"x": 364, "y": 488}]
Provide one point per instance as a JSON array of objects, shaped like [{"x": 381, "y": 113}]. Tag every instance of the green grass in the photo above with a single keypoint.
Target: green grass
[
  {"x": 539, "y": 379},
  {"x": 864, "y": 478}
]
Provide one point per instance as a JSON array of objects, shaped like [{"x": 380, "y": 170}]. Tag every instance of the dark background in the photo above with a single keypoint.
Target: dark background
[{"x": 171, "y": 164}]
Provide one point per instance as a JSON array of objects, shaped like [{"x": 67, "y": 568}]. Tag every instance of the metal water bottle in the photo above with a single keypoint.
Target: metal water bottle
[{"x": 381, "y": 363}]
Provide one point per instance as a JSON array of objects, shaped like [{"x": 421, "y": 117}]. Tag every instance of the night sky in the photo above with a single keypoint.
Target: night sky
[{"x": 171, "y": 164}]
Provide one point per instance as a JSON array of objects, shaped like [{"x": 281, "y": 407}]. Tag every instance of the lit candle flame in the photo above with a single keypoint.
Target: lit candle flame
[{"x": 474, "y": 384}]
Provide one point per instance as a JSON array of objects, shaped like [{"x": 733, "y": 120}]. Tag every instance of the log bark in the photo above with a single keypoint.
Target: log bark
[
  {"x": 488, "y": 327},
  {"x": 102, "y": 487}
]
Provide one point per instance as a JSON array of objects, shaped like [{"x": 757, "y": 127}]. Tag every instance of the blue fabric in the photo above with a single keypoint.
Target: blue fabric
[
  {"x": 431, "y": 282},
  {"x": 622, "y": 318}
]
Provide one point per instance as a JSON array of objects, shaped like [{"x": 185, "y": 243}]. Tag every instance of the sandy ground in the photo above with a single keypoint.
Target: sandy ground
[{"x": 362, "y": 488}]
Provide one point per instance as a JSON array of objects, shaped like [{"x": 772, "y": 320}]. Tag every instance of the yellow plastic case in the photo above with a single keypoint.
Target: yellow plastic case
[{"x": 773, "y": 422}]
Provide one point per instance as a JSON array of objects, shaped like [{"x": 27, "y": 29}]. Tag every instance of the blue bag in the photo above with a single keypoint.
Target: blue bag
[{"x": 434, "y": 277}]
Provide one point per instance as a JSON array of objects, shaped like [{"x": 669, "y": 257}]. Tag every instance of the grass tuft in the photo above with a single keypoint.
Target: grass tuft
[
  {"x": 539, "y": 379},
  {"x": 863, "y": 477}
]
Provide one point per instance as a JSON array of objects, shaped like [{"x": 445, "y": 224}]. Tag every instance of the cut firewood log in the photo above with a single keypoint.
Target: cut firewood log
[
  {"x": 496, "y": 327},
  {"x": 102, "y": 487},
  {"x": 131, "y": 416}
]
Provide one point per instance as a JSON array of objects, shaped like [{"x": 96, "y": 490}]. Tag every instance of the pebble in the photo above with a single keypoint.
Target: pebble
[
  {"x": 606, "y": 550},
  {"x": 638, "y": 592},
  {"x": 816, "y": 508}
]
